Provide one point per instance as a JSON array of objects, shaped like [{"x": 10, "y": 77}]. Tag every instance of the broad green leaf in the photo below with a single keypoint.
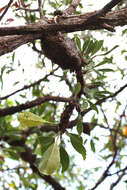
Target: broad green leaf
[
  {"x": 77, "y": 142},
  {"x": 30, "y": 120},
  {"x": 92, "y": 145},
  {"x": 64, "y": 158},
  {"x": 50, "y": 160},
  {"x": 77, "y": 88}
]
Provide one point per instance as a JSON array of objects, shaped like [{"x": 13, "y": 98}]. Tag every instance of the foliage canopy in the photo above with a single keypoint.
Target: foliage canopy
[{"x": 63, "y": 99}]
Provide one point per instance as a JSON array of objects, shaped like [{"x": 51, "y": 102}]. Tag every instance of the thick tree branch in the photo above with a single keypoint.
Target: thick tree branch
[
  {"x": 69, "y": 24},
  {"x": 38, "y": 101},
  {"x": 66, "y": 24},
  {"x": 10, "y": 43}
]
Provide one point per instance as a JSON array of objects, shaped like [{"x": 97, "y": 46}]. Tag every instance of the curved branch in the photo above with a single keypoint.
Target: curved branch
[{"x": 38, "y": 101}]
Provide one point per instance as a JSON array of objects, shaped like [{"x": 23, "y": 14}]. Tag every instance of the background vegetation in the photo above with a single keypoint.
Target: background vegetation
[{"x": 86, "y": 106}]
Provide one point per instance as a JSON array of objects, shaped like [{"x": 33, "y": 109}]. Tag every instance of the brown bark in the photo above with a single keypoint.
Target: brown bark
[
  {"x": 10, "y": 43},
  {"x": 65, "y": 25}
]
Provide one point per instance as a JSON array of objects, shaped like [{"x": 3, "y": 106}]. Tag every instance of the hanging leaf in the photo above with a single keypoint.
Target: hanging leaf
[
  {"x": 30, "y": 120},
  {"x": 77, "y": 143},
  {"x": 50, "y": 160},
  {"x": 80, "y": 125},
  {"x": 64, "y": 158}
]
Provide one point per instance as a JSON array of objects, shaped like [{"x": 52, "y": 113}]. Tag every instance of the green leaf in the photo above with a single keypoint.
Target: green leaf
[
  {"x": 90, "y": 47},
  {"x": 77, "y": 88},
  {"x": 77, "y": 142},
  {"x": 106, "y": 70},
  {"x": 50, "y": 160},
  {"x": 116, "y": 46},
  {"x": 64, "y": 158},
  {"x": 45, "y": 142},
  {"x": 30, "y": 120},
  {"x": 93, "y": 106},
  {"x": 78, "y": 41},
  {"x": 18, "y": 148},
  {"x": 98, "y": 45},
  {"x": 92, "y": 145},
  {"x": 11, "y": 154},
  {"x": 13, "y": 57},
  {"x": 79, "y": 126},
  {"x": 117, "y": 106}
]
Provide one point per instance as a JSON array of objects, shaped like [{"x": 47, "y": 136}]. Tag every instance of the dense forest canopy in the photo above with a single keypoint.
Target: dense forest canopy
[{"x": 63, "y": 86}]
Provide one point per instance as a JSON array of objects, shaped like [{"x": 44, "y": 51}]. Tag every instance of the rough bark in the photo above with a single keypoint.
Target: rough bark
[{"x": 64, "y": 25}]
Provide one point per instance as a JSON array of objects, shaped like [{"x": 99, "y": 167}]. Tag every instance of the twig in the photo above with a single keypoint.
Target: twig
[
  {"x": 40, "y": 8},
  {"x": 104, "y": 99},
  {"x": 105, "y": 173},
  {"x": 120, "y": 171},
  {"x": 109, "y": 6},
  {"x": 104, "y": 10},
  {"x": 105, "y": 117},
  {"x": 26, "y": 9},
  {"x": 74, "y": 122},
  {"x": 117, "y": 181},
  {"x": 8, "y": 5},
  {"x": 72, "y": 7},
  {"x": 28, "y": 86}
]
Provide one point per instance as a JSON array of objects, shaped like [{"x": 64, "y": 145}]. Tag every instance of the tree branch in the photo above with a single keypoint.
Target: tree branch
[
  {"x": 66, "y": 24},
  {"x": 28, "y": 86},
  {"x": 10, "y": 43},
  {"x": 99, "y": 102},
  {"x": 8, "y": 5},
  {"x": 69, "y": 24},
  {"x": 72, "y": 7},
  {"x": 117, "y": 181},
  {"x": 38, "y": 101}
]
